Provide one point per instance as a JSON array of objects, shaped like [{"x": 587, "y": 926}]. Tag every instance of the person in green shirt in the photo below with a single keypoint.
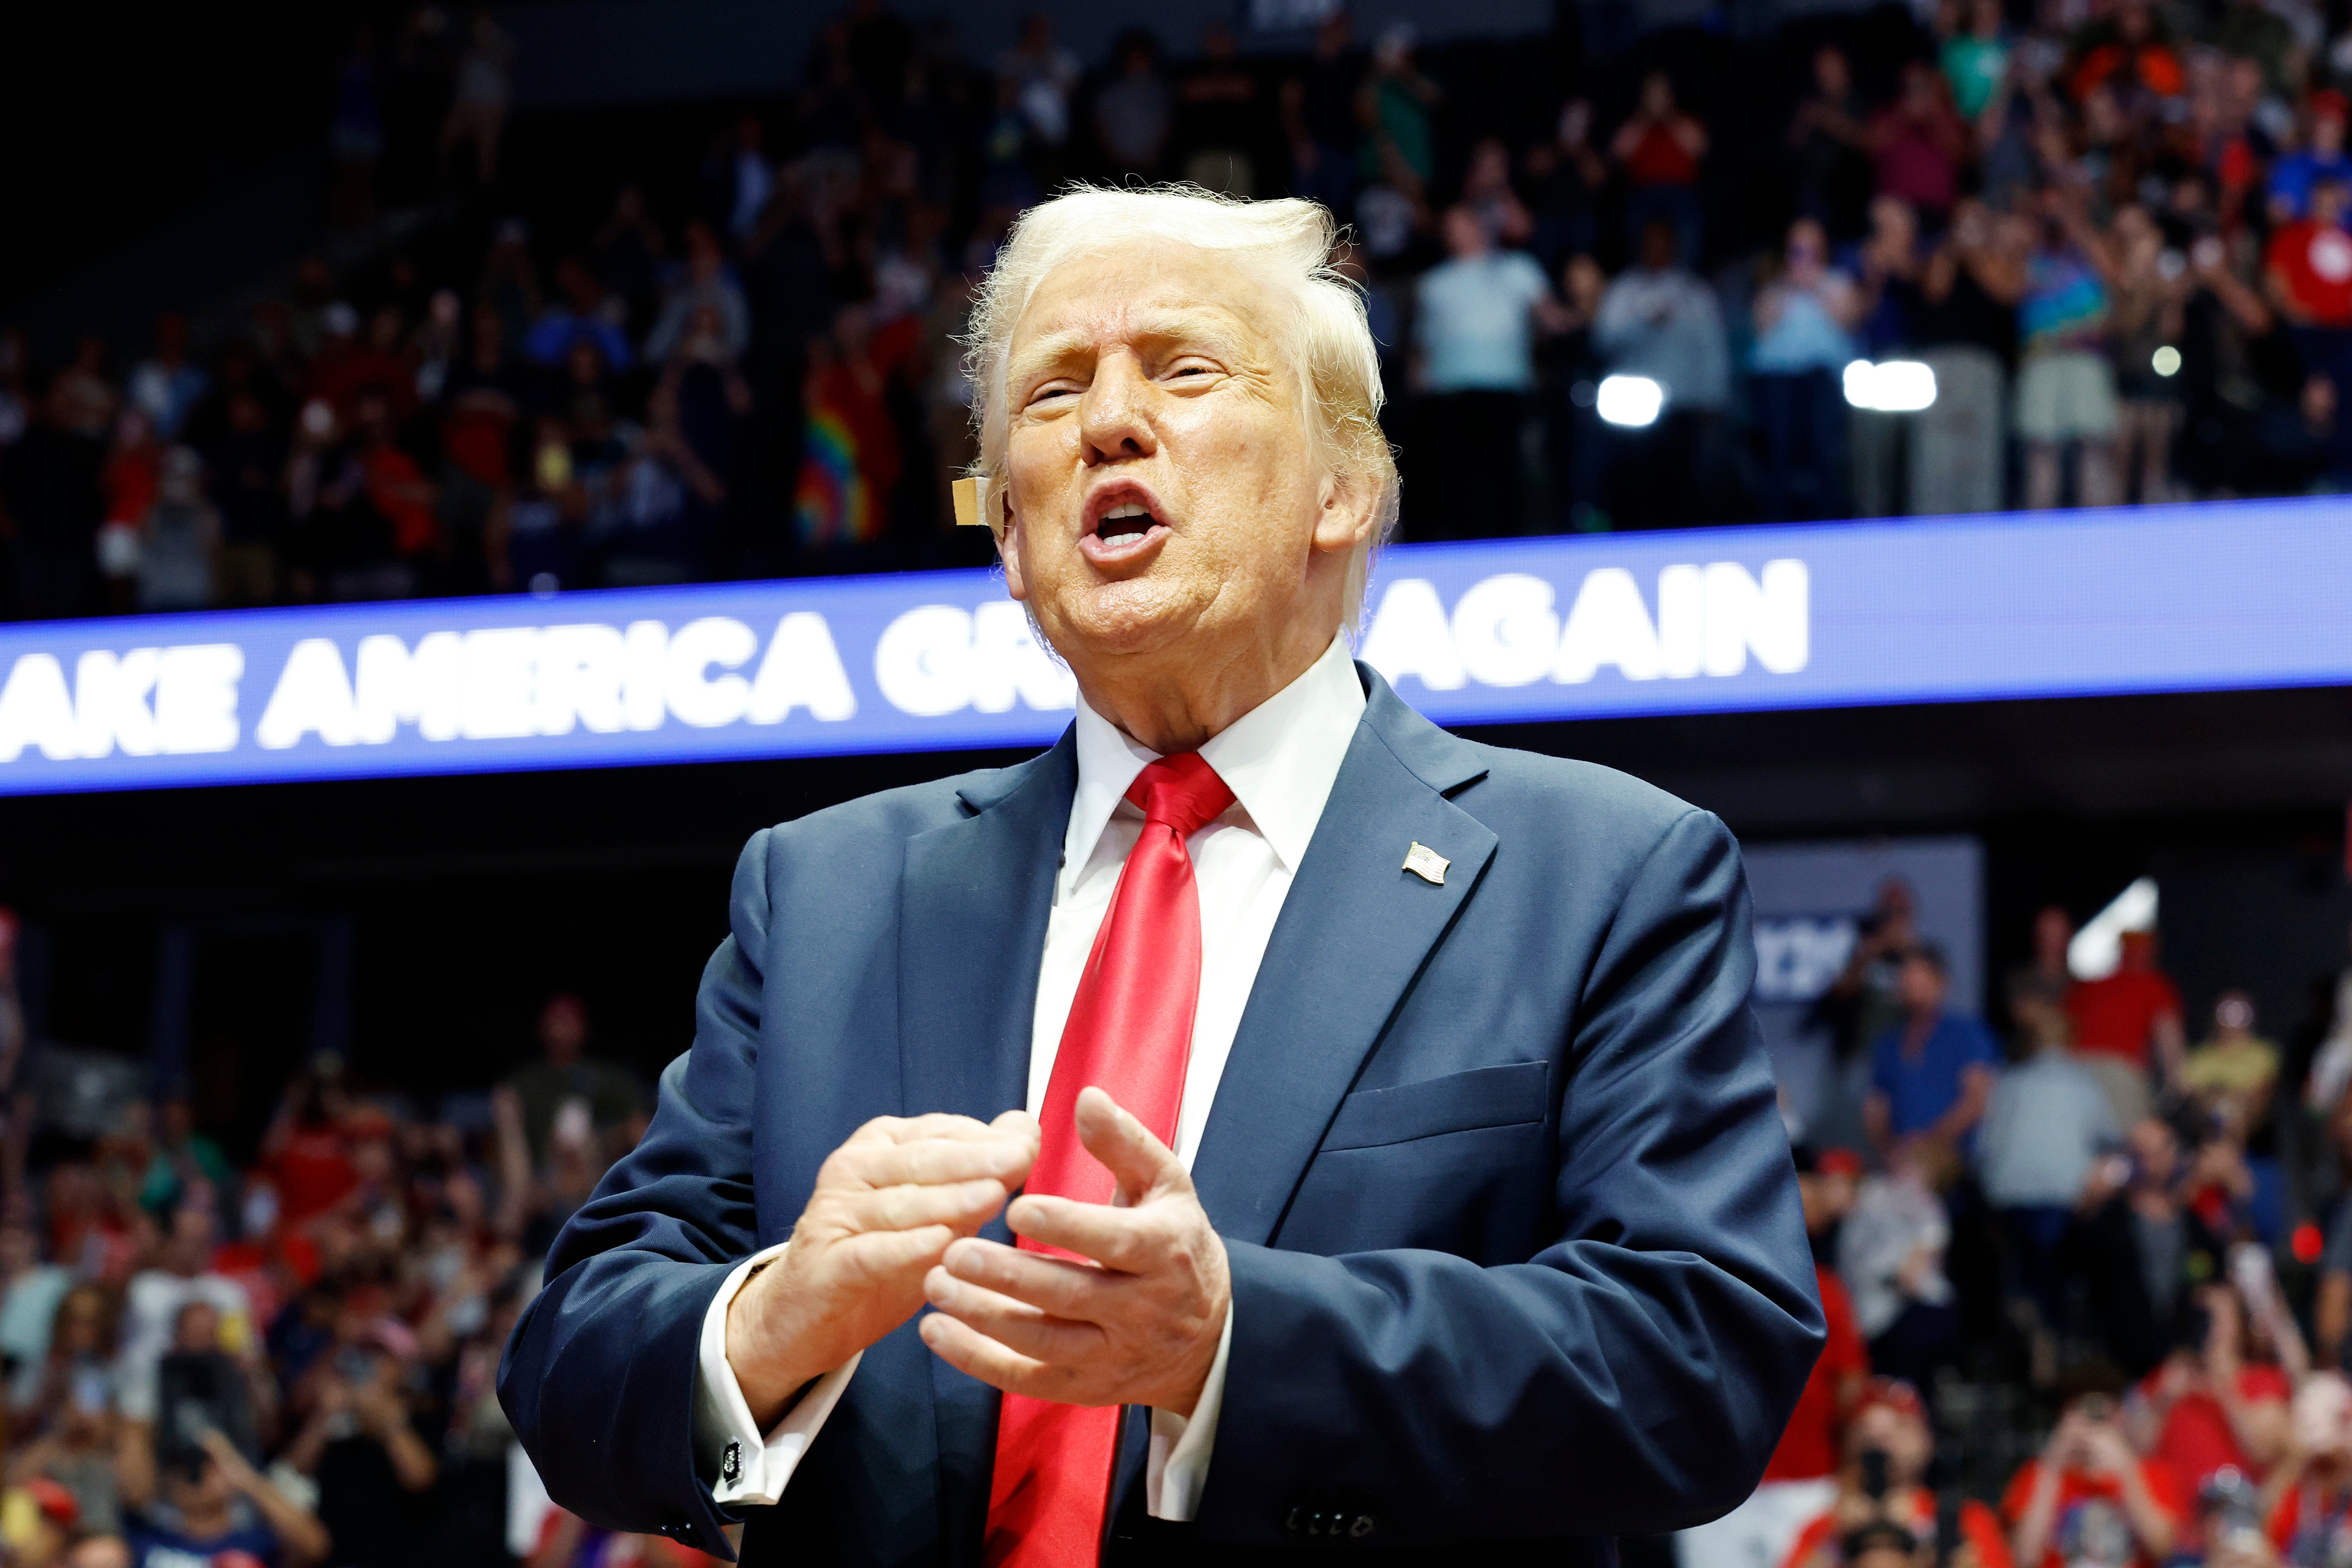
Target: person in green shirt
[
  {"x": 183, "y": 1157},
  {"x": 1975, "y": 58}
]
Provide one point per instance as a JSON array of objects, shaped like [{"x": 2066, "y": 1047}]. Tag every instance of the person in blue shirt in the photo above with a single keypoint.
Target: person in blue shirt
[
  {"x": 2293, "y": 176},
  {"x": 1931, "y": 1074}
]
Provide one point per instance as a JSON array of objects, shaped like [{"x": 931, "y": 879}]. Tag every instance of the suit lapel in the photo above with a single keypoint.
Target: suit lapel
[
  {"x": 973, "y": 904},
  {"x": 1355, "y": 930}
]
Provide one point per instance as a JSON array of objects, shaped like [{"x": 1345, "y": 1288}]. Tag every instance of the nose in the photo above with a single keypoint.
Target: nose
[{"x": 1113, "y": 423}]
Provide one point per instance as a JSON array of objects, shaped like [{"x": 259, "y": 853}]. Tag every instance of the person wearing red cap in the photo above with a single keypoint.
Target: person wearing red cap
[
  {"x": 1887, "y": 1449},
  {"x": 40, "y": 1535}
]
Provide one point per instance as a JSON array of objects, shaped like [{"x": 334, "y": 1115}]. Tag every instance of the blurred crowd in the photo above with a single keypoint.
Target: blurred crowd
[
  {"x": 2089, "y": 1288},
  {"x": 2087, "y": 1275},
  {"x": 289, "y": 1361},
  {"x": 2112, "y": 233}
]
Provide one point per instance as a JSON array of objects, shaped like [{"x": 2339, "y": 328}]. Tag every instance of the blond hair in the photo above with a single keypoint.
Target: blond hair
[{"x": 1322, "y": 330}]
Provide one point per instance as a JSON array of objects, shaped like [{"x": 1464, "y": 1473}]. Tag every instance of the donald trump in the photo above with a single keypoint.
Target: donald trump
[{"x": 1261, "y": 1124}]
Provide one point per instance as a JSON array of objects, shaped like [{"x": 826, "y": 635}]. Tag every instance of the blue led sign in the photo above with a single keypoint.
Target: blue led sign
[{"x": 2211, "y": 597}]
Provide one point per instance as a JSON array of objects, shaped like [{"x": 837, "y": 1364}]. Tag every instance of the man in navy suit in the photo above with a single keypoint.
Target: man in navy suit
[{"x": 1397, "y": 1164}]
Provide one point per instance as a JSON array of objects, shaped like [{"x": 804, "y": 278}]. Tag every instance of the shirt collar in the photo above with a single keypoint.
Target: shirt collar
[{"x": 1280, "y": 760}]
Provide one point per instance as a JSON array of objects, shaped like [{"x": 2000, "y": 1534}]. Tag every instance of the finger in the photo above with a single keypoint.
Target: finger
[
  {"x": 1121, "y": 1238},
  {"x": 875, "y": 1257},
  {"x": 1014, "y": 1324},
  {"x": 913, "y": 1129},
  {"x": 969, "y": 1351},
  {"x": 1018, "y": 1124},
  {"x": 1141, "y": 1163},
  {"x": 965, "y": 1205},
  {"x": 935, "y": 1160},
  {"x": 1053, "y": 1285}
]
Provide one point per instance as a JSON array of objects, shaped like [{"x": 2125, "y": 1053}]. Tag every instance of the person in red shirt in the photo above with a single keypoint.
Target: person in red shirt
[
  {"x": 2307, "y": 272},
  {"x": 1888, "y": 1450},
  {"x": 2123, "y": 1020},
  {"x": 1920, "y": 141},
  {"x": 2210, "y": 1407},
  {"x": 2308, "y": 267},
  {"x": 2090, "y": 1495},
  {"x": 1660, "y": 147},
  {"x": 1801, "y": 1479}
]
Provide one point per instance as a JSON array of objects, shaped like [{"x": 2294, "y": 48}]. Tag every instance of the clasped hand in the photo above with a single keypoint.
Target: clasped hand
[{"x": 892, "y": 1224}]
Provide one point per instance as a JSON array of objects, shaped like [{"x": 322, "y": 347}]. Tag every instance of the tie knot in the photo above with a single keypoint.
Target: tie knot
[{"x": 1181, "y": 791}]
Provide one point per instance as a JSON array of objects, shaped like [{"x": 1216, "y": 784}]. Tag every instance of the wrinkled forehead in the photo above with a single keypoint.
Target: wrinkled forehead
[{"x": 1148, "y": 290}]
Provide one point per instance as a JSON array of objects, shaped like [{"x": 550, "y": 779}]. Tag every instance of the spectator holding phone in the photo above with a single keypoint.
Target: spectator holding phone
[
  {"x": 215, "y": 1503},
  {"x": 361, "y": 1446},
  {"x": 2218, "y": 1404},
  {"x": 2308, "y": 1497},
  {"x": 1882, "y": 1482},
  {"x": 2089, "y": 1496}
]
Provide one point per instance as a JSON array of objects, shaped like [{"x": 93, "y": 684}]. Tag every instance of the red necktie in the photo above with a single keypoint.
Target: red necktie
[{"x": 1129, "y": 1031}]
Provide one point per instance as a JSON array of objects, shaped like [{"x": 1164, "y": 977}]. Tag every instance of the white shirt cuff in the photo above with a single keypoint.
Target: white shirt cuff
[
  {"x": 1177, "y": 1466},
  {"x": 742, "y": 1467}
]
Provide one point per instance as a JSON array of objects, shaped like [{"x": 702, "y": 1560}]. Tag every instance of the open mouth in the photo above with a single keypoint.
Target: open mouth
[
  {"x": 1123, "y": 523},
  {"x": 1126, "y": 528}
]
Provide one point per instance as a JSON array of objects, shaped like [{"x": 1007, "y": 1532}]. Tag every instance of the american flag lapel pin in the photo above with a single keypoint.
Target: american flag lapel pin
[{"x": 1426, "y": 864}]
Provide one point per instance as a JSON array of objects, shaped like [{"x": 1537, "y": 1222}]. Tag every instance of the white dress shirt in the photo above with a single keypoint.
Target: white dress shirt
[{"x": 1280, "y": 760}]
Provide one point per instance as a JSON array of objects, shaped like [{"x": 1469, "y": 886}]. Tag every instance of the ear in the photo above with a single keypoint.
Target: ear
[
  {"x": 1346, "y": 508},
  {"x": 1007, "y": 529}
]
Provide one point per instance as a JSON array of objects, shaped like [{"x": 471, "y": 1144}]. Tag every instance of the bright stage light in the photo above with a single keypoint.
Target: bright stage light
[
  {"x": 1892, "y": 387},
  {"x": 1631, "y": 401},
  {"x": 2165, "y": 361}
]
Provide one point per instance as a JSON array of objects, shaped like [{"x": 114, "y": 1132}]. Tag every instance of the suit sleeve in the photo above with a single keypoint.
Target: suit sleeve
[
  {"x": 1634, "y": 1375},
  {"x": 599, "y": 1375}
]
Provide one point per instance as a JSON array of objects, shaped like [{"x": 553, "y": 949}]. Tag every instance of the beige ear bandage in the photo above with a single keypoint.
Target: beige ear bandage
[{"x": 976, "y": 506}]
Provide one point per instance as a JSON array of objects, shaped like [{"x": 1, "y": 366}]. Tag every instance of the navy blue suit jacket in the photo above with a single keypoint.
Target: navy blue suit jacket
[{"x": 1516, "y": 1252}]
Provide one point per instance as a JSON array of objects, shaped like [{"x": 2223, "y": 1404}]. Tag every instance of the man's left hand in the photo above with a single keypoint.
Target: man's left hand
[{"x": 1139, "y": 1324}]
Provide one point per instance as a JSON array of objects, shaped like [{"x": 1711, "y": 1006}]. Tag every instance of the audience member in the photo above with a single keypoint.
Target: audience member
[
  {"x": 1882, "y": 1485},
  {"x": 2127, "y": 1024},
  {"x": 1474, "y": 322},
  {"x": 1828, "y": 143},
  {"x": 2213, "y": 1406},
  {"x": 1931, "y": 1076},
  {"x": 1132, "y": 114},
  {"x": 2046, "y": 1125},
  {"x": 1659, "y": 148},
  {"x": 2145, "y": 1249},
  {"x": 1659, "y": 320},
  {"x": 2088, "y": 1497},
  {"x": 2066, "y": 385},
  {"x": 1804, "y": 321},
  {"x": 1918, "y": 142},
  {"x": 1891, "y": 1255},
  {"x": 2311, "y": 1488}
]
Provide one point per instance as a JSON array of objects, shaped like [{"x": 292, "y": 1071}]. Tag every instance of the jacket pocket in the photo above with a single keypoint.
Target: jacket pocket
[{"x": 1504, "y": 1096}]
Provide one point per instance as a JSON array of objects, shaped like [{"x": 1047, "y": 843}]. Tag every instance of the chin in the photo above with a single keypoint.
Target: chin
[{"x": 1133, "y": 616}]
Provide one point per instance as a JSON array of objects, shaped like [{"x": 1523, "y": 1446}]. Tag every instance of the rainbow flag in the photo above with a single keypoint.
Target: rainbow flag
[{"x": 832, "y": 503}]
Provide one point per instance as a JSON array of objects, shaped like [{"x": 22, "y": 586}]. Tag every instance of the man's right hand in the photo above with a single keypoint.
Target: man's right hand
[{"x": 887, "y": 1205}]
